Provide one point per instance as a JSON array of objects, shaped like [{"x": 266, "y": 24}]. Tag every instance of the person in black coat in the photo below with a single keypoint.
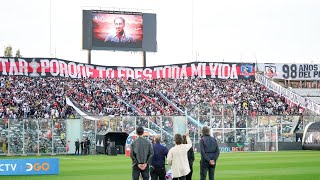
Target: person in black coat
[
  {"x": 82, "y": 146},
  {"x": 77, "y": 145},
  {"x": 209, "y": 154},
  {"x": 158, "y": 165},
  {"x": 87, "y": 146},
  {"x": 108, "y": 146},
  {"x": 190, "y": 158},
  {"x": 141, "y": 153}
]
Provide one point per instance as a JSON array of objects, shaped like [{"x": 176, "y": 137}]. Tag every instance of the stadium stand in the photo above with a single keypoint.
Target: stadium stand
[
  {"x": 25, "y": 97},
  {"x": 218, "y": 103},
  {"x": 310, "y": 93}
]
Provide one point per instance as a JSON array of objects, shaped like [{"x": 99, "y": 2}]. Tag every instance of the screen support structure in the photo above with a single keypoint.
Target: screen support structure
[
  {"x": 89, "y": 56},
  {"x": 144, "y": 59}
]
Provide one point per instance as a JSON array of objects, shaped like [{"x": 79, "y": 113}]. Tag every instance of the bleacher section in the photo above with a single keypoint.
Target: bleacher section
[
  {"x": 290, "y": 96},
  {"x": 315, "y": 99},
  {"x": 307, "y": 92},
  {"x": 312, "y": 94},
  {"x": 45, "y": 97}
]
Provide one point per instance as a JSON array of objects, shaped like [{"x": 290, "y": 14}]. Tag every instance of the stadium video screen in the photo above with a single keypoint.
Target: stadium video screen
[{"x": 117, "y": 29}]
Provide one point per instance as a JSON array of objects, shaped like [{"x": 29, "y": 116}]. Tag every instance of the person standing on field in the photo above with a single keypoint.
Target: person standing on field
[
  {"x": 209, "y": 154},
  {"x": 158, "y": 167},
  {"x": 190, "y": 158},
  {"x": 77, "y": 145},
  {"x": 178, "y": 157},
  {"x": 141, "y": 153}
]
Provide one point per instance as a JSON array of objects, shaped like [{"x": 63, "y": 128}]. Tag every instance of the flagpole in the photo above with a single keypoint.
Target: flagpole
[
  {"x": 192, "y": 33},
  {"x": 50, "y": 28}
]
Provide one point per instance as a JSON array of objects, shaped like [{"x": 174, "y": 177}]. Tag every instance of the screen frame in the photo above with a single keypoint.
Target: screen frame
[{"x": 149, "y": 40}]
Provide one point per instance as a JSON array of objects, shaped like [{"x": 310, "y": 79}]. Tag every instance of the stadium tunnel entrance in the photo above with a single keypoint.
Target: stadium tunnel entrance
[
  {"x": 311, "y": 136},
  {"x": 117, "y": 142}
]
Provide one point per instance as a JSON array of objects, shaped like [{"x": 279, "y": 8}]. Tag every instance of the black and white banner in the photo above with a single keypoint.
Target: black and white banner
[
  {"x": 291, "y": 71},
  {"x": 82, "y": 113},
  {"x": 35, "y": 67}
]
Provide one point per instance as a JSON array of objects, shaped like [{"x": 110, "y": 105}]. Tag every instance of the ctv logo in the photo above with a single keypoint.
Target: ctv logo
[
  {"x": 8, "y": 167},
  {"x": 38, "y": 167}
]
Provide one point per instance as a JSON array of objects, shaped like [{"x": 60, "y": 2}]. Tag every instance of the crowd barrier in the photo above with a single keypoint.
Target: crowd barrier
[{"x": 51, "y": 136}]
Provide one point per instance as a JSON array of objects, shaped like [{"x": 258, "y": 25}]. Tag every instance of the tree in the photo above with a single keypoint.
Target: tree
[
  {"x": 18, "y": 53},
  {"x": 8, "y": 51}
]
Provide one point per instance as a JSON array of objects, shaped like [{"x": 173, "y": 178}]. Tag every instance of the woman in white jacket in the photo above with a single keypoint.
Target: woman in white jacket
[{"x": 178, "y": 157}]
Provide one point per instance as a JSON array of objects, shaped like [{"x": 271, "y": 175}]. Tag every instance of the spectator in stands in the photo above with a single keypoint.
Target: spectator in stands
[
  {"x": 141, "y": 152},
  {"x": 5, "y": 146},
  {"x": 62, "y": 137},
  {"x": 190, "y": 158},
  {"x": 158, "y": 169},
  {"x": 44, "y": 98},
  {"x": 178, "y": 157},
  {"x": 100, "y": 96},
  {"x": 209, "y": 154}
]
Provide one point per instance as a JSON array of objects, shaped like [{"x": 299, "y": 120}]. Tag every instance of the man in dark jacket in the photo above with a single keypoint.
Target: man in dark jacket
[
  {"x": 158, "y": 167},
  {"x": 209, "y": 154},
  {"x": 77, "y": 145},
  {"x": 82, "y": 146},
  {"x": 88, "y": 143},
  {"x": 108, "y": 146},
  {"x": 141, "y": 153},
  {"x": 190, "y": 159}
]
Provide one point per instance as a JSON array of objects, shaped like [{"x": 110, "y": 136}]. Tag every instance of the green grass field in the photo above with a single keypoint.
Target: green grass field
[{"x": 290, "y": 165}]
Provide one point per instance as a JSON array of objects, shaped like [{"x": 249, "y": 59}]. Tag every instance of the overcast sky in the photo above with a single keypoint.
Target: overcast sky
[{"x": 228, "y": 30}]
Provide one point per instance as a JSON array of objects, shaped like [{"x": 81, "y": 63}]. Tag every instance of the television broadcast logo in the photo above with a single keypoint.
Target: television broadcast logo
[
  {"x": 246, "y": 70},
  {"x": 270, "y": 71},
  {"x": 5, "y": 167},
  {"x": 29, "y": 166},
  {"x": 38, "y": 166}
]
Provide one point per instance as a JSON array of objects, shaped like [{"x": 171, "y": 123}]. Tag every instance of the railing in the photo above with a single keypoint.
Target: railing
[
  {"x": 290, "y": 95},
  {"x": 50, "y": 136}
]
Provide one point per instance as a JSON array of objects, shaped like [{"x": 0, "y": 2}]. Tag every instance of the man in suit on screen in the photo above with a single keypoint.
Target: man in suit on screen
[{"x": 119, "y": 36}]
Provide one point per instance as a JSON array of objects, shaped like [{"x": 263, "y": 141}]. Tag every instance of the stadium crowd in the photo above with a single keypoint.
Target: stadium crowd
[
  {"x": 44, "y": 98},
  {"x": 25, "y": 97},
  {"x": 36, "y": 100}
]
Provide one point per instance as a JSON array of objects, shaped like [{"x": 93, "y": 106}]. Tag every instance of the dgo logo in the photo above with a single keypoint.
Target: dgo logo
[{"x": 38, "y": 166}]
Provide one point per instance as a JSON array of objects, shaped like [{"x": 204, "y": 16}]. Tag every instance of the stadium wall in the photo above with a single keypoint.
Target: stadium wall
[{"x": 285, "y": 146}]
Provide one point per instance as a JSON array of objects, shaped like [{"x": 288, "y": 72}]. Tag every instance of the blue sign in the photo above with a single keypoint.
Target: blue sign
[
  {"x": 246, "y": 70},
  {"x": 29, "y": 166}
]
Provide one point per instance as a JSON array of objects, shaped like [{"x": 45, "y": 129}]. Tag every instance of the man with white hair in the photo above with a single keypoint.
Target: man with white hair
[
  {"x": 209, "y": 154},
  {"x": 158, "y": 169}
]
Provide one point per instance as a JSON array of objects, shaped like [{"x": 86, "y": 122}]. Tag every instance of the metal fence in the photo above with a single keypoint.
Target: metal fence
[{"x": 48, "y": 136}]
